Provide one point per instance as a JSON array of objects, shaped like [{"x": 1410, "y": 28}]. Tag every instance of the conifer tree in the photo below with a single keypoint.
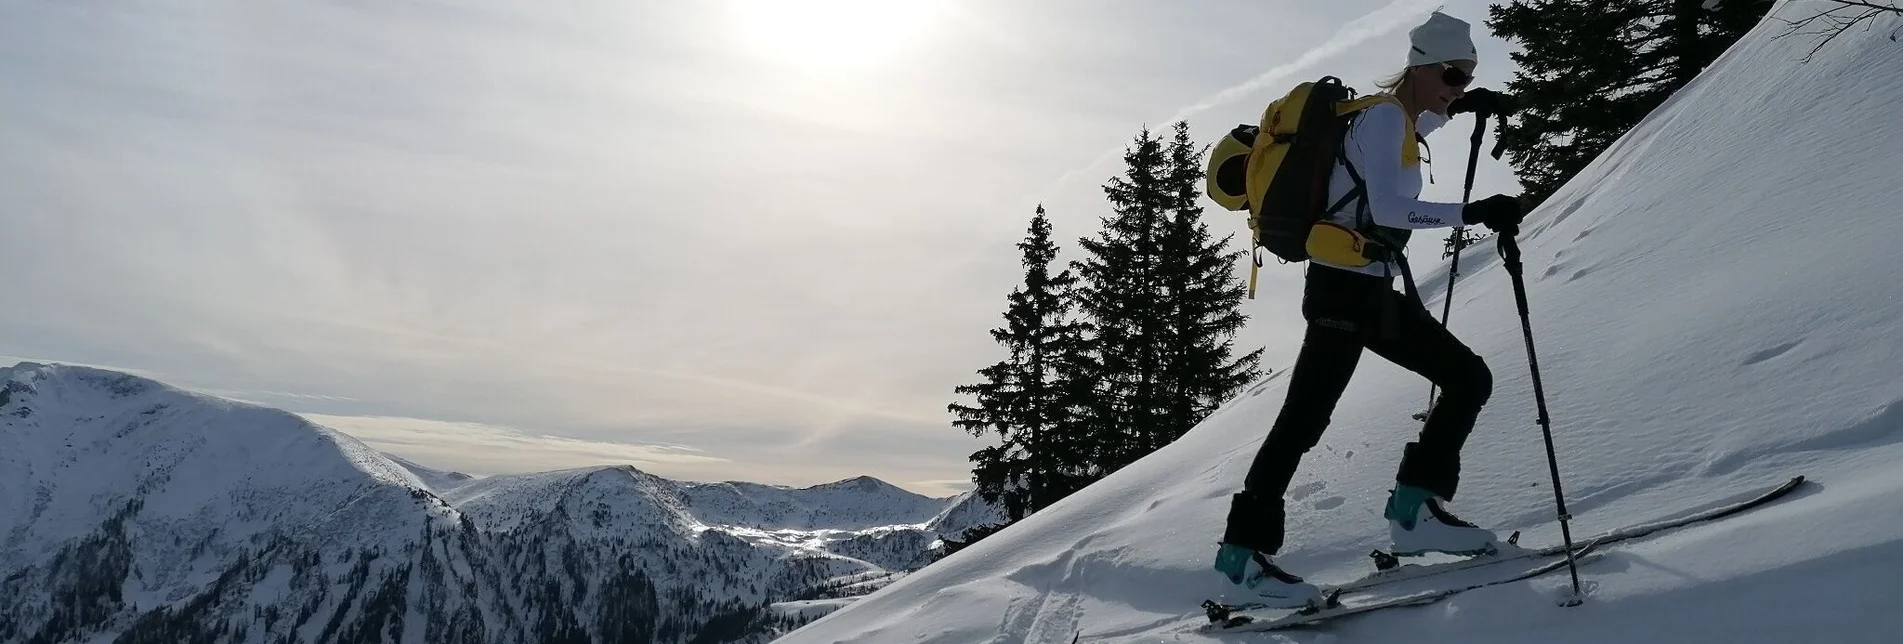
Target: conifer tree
[
  {"x": 1160, "y": 302},
  {"x": 1592, "y": 69},
  {"x": 1021, "y": 398},
  {"x": 1204, "y": 299},
  {"x": 1120, "y": 300}
]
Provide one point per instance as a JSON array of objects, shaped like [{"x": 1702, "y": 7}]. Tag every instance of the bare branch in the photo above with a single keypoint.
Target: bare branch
[
  {"x": 1892, "y": 7},
  {"x": 1837, "y": 20}
]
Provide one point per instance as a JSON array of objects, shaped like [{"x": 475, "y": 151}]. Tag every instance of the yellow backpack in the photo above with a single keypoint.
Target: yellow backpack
[{"x": 1281, "y": 180}]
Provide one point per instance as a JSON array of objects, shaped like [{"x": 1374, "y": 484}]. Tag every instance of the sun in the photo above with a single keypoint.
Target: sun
[{"x": 829, "y": 34}]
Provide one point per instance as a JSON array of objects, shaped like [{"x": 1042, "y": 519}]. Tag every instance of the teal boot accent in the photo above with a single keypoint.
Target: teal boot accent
[
  {"x": 1233, "y": 562},
  {"x": 1419, "y": 523},
  {"x": 1273, "y": 587},
  {"x": 1404, "y": 504}
]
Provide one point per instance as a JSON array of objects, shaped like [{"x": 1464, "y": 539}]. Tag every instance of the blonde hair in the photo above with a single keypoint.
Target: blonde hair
[{"x": 1391, "y": 85}]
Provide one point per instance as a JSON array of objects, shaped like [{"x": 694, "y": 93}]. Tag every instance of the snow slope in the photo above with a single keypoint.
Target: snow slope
[
  {"x": 94, "y": 443},
  {"x": 1714, "y": 311},
  {"x": 437, "y": 480},
  {"x": 967, "y": 510}
]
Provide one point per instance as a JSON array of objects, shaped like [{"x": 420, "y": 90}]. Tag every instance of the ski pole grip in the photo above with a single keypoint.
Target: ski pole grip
[{"x": 1509, "y": 250}]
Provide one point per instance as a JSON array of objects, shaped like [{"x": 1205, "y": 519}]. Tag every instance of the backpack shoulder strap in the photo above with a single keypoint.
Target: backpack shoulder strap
[
  {"x": 1410, "y": 140},
  {"x": 1410, "y": 153}
]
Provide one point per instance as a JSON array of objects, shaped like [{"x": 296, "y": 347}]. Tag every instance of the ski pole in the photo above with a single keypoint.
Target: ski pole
[
  {"x": 1510, "y": 252},
  {"x": 1460, "y": 234},
  {"x": 1466, "y": 195}
]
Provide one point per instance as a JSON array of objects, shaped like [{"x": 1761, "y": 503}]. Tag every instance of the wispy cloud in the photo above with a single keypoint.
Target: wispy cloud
[
  {"x": 953, "y": 485},
  {"x": 1377, "y": 23},
  {"x": 1388, "y": 18},
  {"x": 268, "y": 397},
  {"x": 532, "y": 219},
  {"x": 758, "y": 456},
  {"x": 476, "y": 448}
]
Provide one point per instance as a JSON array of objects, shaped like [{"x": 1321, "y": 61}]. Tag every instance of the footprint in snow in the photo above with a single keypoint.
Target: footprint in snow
[
  {"x": 1770, "y": 353},
  {"x": 1304, "y": 490}
]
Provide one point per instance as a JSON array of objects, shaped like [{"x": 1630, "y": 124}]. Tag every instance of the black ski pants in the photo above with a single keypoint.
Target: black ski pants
[{"x": 1346, "y": 313}]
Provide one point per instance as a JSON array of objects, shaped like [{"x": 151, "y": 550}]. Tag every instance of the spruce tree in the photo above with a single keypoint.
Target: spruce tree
[
  {"x": 1021, "y": 398},
  {"x": 1120, "y": 299},
  {"x": 1160, "y": 302},
  {"x": 1591, "y": 70},
  {"x": 1204, "y": 299}
]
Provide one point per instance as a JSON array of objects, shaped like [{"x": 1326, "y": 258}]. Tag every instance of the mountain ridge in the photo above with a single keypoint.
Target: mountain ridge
[{"x": 158, "y": 513}]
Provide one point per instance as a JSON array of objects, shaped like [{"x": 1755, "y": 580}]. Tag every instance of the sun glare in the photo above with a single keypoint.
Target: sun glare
[{"x": 829, "y": 34}]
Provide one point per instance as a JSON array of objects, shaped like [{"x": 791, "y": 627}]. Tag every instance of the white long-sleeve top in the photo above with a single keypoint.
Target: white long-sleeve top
[{"x": 1373, "y": 145}]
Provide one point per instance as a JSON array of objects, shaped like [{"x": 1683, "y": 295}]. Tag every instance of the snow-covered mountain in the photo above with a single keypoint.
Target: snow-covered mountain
[
  {"x": 1715, "y": 309},
  {"x": 966, "y": 511},
  {"x": 435, "y": 479},
  {"x": 862, "y": 502},
  {"x": 135, "y": 511}
]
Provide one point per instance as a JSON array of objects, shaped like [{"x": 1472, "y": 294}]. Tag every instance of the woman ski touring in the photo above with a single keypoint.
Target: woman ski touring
[{"x": 1351, "y": 308}]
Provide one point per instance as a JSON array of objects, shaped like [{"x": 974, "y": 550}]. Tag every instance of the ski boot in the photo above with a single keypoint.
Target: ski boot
[
  {"x": 1419, "y": 523},
  {"x": 1256, "y": 572}
]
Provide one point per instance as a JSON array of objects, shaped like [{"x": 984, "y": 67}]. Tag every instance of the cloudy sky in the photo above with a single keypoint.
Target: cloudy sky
[{"x": 732, "y": 239}]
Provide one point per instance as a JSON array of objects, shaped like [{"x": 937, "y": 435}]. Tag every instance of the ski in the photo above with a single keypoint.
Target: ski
[
  {"x": 1404, "y": 572},
  {"x": 1639, "y": 530},
  {"x": 1235, "y": 619},
  {"x": 1390, "y": 570},
  {"x": 1407, "y": 572}
]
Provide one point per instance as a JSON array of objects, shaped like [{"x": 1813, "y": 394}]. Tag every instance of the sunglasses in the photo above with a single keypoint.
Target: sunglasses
[{"x": 1453, "y": 76}]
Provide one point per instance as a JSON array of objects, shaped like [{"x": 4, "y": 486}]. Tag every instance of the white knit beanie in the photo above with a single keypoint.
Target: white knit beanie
[{"x": 1442, "y": 38}]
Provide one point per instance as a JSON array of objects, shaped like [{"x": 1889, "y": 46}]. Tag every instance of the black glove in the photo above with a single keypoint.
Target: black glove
[
  {"x": 1502, "y": 213},
  {"x": 1483, "y": 102}
]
